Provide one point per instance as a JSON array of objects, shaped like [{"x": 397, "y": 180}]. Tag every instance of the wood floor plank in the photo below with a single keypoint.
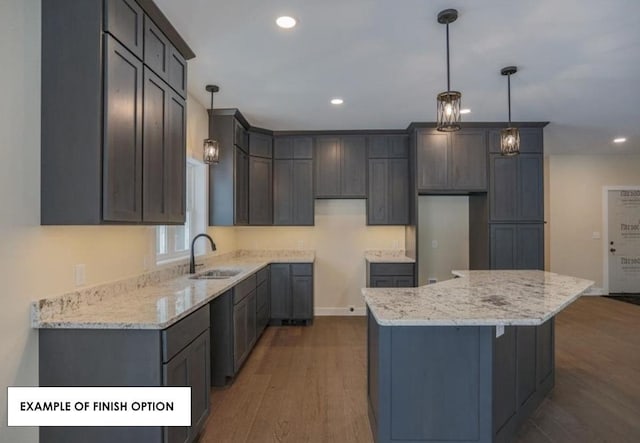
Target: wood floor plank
[{"x": 308, "y": 384}]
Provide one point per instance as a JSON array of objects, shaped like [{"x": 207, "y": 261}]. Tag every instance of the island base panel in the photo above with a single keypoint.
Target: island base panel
[{"x": 455, "y": 383}]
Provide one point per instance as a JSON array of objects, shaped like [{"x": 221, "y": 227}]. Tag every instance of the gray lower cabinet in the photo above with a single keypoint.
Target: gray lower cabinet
[
  {"x": 391, "y": 275},
  {"x": 341, "y": 170},
  {"x": 451, "y": 162},
  {"x": 238, "y": 318},
  {"x": 176, "y": 356},
  {"x": 291, "y": 291},
  {"x": 517, "y": 246},
  {"x": 97, "y": 153}
]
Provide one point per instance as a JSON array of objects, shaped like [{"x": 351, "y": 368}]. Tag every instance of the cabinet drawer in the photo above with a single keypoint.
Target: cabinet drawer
[
  {"x": 391, "y": 269},
  {"x": 176, "y": 337},
  {"x": 262, "y": 275},
  {"x": 123, "y": 20},
  {"x": 302, "y": 269},
  {"x": 242, "y": 289}
]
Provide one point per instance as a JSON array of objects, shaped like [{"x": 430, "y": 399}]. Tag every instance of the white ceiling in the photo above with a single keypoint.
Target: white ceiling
[{"x": 579, "y": 63}]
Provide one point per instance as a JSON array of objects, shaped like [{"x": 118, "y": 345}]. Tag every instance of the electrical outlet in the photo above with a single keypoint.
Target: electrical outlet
[
  {"x": 499, "y": 331},
  {"x": 434, "y": 244},
  {"x": 432, "y": 280},
  {"x": 396, "y": 244},
  {"x": 300, "y": 244},
  {"x": 79, "y": 274},
  {"x": 595, "y": 235}
]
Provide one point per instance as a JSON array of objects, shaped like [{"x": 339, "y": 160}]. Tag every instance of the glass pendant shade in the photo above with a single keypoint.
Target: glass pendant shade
[
  {"x": 211, "y": 151},
  {"x": 510, "y": 141},
  {"x": 449, "y": 111}
]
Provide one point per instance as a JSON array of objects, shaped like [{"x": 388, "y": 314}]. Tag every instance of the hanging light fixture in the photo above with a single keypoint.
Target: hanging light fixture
[
  {"x": 448, "y": 101},
  {"x": 211, "y": 147},
  {"x": 510, "y": 136}
]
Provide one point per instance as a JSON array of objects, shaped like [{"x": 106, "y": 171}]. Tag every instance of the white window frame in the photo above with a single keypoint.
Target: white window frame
[{"x": 195, "y": 218}]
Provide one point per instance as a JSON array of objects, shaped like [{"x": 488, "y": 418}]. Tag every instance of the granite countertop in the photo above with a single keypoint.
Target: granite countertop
[
  {"x": 478, "y": 298},
  {"x": 387, "y": 256},
  {"x": 143, "y": 304}
]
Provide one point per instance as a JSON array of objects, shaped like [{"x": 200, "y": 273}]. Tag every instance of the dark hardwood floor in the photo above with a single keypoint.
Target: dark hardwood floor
[{"x": 308, "y": 384}]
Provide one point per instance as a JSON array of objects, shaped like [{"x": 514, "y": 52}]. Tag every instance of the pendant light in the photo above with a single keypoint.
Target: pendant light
[
  {"x": 509, "y": 137},
  {"x": 448, "y": 101},
  {"x": 211, "y": 147}
]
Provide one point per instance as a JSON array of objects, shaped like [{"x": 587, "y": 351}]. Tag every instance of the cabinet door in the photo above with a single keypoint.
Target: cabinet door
[
  {"x": 157, "y": 49},
  {"x": 240, "y": 333},
  {"x": 404, "y": 281},
  {"x": 378, "y": 196},
  {"x": 398, "y": 191},
  {"x": 241, "y": 187},
  {"x": 468, "y": 161},
  {"x": 240, "y": 136},
  {"x": 122, "y": 146},
  {"x": 283, "y": 190},
  {"x": 303, "y": 202},
  {"x": 530, "y": 188},
  {"x": 327, "y": 157},
  {"x": 252, "y": 321},
  {"x": 280, "y": 291},
  {"x": 353, "y": 167},
  {"x": 503, "y": 188},
  {"x": 503, "y": 246},
  {"x": 432, "y": 170},
  {"x": 302, "y": 297},
  {"x": 260, "y": 191},
  {"x": 190, "y": 367},
  {"x": 177, "y": 72},
  {"x": 382, "y": 282},
  {"x": 262, "y": 305},
  {"x": 164, "y": 153},
  {"x": 260, "y": 145},
  {"x": 530, "y": 246},
  {"x": 388, "y": 146},
  {"x": 123, "y": 19}
]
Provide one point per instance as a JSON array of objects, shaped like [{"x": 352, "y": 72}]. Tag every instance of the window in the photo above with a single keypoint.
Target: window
[{"x": 173, "y": 242}]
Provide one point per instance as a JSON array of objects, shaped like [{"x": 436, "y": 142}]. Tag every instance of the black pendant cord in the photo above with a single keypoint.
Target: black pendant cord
[
  {"x": 448, "y": 74},
  {"x": 211, "y": 100},
  {"x": 509, "y": 96}
]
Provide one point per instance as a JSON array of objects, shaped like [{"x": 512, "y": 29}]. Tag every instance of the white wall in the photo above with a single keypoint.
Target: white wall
[
  {"x": 340, "y": 237},
  {"x": 444, "y": 219},
  {"x": 574, "y": 196}
]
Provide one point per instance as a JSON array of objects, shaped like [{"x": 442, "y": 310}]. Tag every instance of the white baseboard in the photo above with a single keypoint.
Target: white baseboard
[
  {"x": 320, "y": 312},
  {"x": 595, "y": 292}
]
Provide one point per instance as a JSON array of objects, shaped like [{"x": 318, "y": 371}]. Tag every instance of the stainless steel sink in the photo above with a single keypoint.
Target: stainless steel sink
[{"x": 217, "y": 274}]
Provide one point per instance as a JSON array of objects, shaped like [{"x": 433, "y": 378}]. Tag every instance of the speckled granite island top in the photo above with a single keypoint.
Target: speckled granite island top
[
  {"x": 478, "y": 298},
  {"x": 154, "y": 300}
]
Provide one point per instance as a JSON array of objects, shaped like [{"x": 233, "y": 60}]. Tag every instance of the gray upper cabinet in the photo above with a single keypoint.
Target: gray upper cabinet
[
  {"x": 341, "y": 166},
  {"x": 122, "y": 162},
  {"x": 452, "y": 162},
  {"x": 260, "y": 191},
  {"x": 260, "y": 145},
  {"x": 388, "y": 190},
  {"x": 178, "y": 72},
  {"x": 124, "y": 20},
  {"x": 229, "y": 179},
  {"x": 516, "y": 190},
  {"x": 293, "y": 202},
  {"x": 95, "y": 127},
  {"x": 164, "y": 152}
]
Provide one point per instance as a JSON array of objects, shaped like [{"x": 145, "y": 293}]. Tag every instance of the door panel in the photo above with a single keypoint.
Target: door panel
[
  {"x": 530, "y": 188},
  {"x": 433, "y": 148},
  {"x": 260, "y": 193},
  {"x": 303, "y": 202},
  {"x": 327, "y": 167},
  {"x": 377, "y": 197},
  {"x": 530, "y": 246},
  {"x": 280, "y": 291},
  {"x": 503, "y": 246},
  {"x": 468, "y": 162},
  {"x": 302, "y": 297},
  {"x": 503, "y": 188},
  {"x": 624, "y": 241},
  {"x": 283, "y": 189},
  {"x": 354, "y": 167}
]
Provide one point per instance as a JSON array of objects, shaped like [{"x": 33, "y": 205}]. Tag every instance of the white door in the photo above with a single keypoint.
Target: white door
[{"x": 624, "y": 241}]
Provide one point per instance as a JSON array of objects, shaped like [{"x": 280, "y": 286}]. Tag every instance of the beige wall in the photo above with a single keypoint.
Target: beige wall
[
  {"x": 444, "y": 219},
  {"x": 340, "y": 237},
  {"x": 574, "y": 197},
  {"x": 35, "y": 261}
]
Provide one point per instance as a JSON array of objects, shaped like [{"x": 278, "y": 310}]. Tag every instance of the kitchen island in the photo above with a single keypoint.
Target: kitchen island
[{"x": 463, "y": 360}]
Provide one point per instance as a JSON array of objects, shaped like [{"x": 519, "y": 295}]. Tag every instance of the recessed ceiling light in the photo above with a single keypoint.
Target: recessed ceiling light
[
  {"x": 337, "y": 101},
  {"x": 465, "y": 111},
  {"x": 619, "y": 140},
  {"x": 286, "y": 22}
]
